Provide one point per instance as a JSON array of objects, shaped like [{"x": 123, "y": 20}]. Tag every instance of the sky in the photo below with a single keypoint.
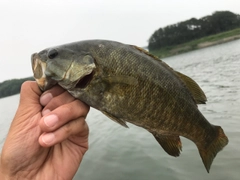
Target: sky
[{"x": 29, "y": 26}]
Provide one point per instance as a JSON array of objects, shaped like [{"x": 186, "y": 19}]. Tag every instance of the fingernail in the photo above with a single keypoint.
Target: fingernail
[
  {"x": 45, "y": 98},
  {"x": 46, "y": 111},
  {"x": 50, "y": 120},
  {"x": 48, "y": 138}
]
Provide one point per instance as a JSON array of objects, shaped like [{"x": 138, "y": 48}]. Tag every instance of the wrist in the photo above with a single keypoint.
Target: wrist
[{"x": 3, "y": 175}]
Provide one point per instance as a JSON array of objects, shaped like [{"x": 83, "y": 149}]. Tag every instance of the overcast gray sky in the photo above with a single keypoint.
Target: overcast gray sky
[{"x": 28, "y": 26}]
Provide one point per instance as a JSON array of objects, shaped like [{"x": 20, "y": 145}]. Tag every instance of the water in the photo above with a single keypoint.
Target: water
[{"x": 118, "y": 153}]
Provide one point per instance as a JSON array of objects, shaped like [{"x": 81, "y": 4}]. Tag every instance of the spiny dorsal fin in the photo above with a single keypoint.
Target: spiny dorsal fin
[
  {"x": 170, "y": 143},
  {"x": 117, "y": 120},
  {"x": 146, "y": 52},
  {"x": 194, "y": 88},
  {"x": 154, "y": 57},
  {"x": 196, "y": 92}
]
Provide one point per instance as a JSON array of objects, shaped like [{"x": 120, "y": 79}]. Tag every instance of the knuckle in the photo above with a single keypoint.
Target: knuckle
[
  {"x": 56, "y": 90},
  {"x": 67, "y": 128},
  {"x": 68, "y": 97},
  {"x": 28, "y": 86},
  {"x": 84, "y": 109},
  {"x": 54, "y": 103},
  {"x": 68, "y": 110}
]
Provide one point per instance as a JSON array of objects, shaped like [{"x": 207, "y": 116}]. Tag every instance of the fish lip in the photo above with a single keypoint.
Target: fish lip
[{"x": 38, "y": 68}]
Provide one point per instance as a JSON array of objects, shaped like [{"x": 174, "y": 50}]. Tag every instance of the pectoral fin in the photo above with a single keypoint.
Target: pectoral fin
[
  {"x": 117, "y": 120},
  {"x": 170, "y": 143},
  {"x": 193, "y": 87}
]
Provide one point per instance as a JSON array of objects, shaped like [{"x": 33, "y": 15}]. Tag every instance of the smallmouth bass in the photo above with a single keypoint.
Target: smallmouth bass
[{"x": 128, "y": 84}]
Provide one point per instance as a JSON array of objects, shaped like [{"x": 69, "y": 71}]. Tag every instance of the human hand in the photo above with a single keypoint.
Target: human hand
[{"x": 48, "y": 136}]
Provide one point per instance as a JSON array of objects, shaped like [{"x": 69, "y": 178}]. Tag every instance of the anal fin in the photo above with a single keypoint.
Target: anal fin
[
  {"x": 117, "y": 120},
  {"x": 170, "y": 143}
]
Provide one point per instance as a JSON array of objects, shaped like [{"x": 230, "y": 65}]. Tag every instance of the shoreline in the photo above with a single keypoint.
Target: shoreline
[
  {"x": 198, "y": 44},
  {"x": 221, "y": 41}
]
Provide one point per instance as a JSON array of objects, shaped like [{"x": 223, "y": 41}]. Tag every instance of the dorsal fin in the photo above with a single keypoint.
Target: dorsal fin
[
  {"x": 196, "y": 92},
  {"x": 193, "y": 87},
  {"x": 146, "y": 52}
]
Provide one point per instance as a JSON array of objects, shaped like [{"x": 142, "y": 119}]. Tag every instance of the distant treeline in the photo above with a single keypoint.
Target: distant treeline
[
  {"x": 193, "y": 28},
  {"x": 11, "y": 87}
]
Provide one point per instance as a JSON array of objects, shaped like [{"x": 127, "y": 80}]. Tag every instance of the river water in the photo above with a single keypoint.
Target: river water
[{"x": 117, "y": 153}]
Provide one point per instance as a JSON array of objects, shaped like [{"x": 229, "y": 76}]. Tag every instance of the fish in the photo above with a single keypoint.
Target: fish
[{"x": 128, "y": 84}]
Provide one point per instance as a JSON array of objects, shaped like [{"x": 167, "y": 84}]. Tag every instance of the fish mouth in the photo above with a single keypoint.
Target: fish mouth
[
  {"x": 46, "y": 81},
  {"x": 38, "y": 68}
]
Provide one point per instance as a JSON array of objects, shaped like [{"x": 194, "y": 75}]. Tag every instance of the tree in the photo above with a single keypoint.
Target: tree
[
  {"x": 193, "y": 28},
  {"x": 11, "y": 87}
]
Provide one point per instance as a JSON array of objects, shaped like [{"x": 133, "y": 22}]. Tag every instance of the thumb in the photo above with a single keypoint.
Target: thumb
[
  {"x": 29, "y": 105},
  {"x": 29, "y": 98},
  {"x": 29, "y": 93}
]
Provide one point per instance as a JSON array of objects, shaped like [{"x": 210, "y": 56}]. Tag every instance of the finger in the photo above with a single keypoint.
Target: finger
[
  {"x": 30, "y": 92},
  {"x": 47, "y": 96},
  {"x": 58, "y": 101},
  {"x": 73, "y": 130},
  {"x": 29, "y": 97},
  {"x": 29, "y": 106},
  {"x": 62, "y": 115}
]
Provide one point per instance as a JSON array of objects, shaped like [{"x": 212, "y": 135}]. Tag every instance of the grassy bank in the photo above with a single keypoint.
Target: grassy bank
[{"x": 198, "y": 43}]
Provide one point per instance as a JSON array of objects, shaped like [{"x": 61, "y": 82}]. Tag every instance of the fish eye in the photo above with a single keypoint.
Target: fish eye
[{"x": 52, "y": 53}]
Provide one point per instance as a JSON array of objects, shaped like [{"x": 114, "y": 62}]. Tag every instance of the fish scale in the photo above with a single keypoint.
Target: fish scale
[{"x": 128, "y": 84}]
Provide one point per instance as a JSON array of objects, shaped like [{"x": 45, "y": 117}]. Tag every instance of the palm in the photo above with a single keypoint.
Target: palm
[{"x": 24, "y": 152}]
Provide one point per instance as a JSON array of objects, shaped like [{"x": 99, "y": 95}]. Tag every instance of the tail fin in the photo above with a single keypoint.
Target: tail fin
[{"x": 209, "y": 151}]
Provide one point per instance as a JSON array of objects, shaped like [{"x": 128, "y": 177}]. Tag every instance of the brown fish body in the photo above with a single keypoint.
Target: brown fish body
[{"x": 129, "y": 85}]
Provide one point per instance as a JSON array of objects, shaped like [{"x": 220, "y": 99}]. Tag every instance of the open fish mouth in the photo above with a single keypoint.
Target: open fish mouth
[
  {"x": 38, "y": 68},
  {"x": 45, "y": 82}
]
